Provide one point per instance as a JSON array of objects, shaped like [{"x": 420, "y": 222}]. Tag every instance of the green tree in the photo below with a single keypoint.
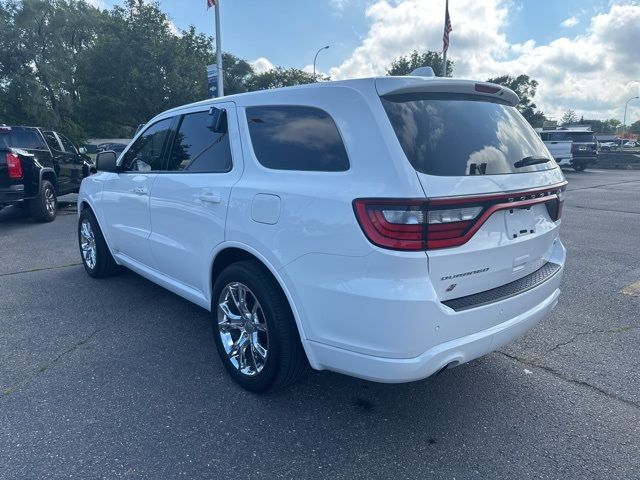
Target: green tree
[
  {"x": 569, "y": 117},
  {"x": 279, "y": 77},
  {"x": 404, "y": 65},
  {"x": 90, "y": 72},
  {"x": 237, "y": 74},
  {"x": 614, "y": 124},
  {"x": 139, "y": 67},
  {"x": 602, "y": 126},
  {"x": 635, "y": 127},
  {"x": 40, "y": 46},
  {"x": 87, "y": 72},
  {"x": 536, "y": 119},
  {"x": 526, "y": 88}
]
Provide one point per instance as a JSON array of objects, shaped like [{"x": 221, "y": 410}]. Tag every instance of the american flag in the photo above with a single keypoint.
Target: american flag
[
  {"x": 447, "y": 30},
  {"x": 211, "y": 3}
]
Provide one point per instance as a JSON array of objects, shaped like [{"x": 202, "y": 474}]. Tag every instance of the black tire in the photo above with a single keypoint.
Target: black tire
[
  {"x": 103, "y": 264},
  {"x": 579, "y": 168},
  {"x": 286, "y": 361},
  {"x": 44, "y": 207}
]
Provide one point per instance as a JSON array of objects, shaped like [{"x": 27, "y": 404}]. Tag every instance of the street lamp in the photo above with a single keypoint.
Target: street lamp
[
  {"x": 624, "y": 120},
  {"x": 316, "y": 58}
]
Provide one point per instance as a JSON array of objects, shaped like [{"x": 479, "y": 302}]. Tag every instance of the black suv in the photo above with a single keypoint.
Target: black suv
[
  {"x": 584, "y": 148},
  {"x": 37, "y": 166}
]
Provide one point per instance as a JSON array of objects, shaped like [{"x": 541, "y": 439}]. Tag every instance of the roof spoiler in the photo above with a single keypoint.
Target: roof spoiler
[{"x": 418, "y": 84}]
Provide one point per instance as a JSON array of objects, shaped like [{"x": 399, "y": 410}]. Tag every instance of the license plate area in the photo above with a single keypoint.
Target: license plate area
[{"x": 520, "y": 222}]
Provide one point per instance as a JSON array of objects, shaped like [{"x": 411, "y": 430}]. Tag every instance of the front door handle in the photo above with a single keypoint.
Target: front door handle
[
  {"x": 140, "y": 190},
  {"x": 210, "y": 198}
]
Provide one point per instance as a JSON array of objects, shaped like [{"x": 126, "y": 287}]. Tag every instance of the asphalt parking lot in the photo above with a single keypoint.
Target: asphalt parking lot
[{"x": 118, "y": 378}]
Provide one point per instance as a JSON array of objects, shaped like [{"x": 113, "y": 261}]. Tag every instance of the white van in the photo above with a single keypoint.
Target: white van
[{"x": 386, "y": 228}]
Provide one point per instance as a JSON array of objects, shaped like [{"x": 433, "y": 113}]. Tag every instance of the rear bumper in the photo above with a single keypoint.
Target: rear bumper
[
  {"x": 379, "y": 318},
  {"x": 452, "y": 353},
  {"x": 11, "y": 195}
]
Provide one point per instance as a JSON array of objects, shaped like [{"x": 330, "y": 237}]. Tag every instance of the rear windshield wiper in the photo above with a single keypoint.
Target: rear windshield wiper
[{"x": 534, "y": 160}]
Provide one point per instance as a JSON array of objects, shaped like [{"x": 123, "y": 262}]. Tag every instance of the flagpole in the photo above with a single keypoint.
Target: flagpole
[
  {"x": 444, "y": 51},
  {"x": 219, "y": 52}
]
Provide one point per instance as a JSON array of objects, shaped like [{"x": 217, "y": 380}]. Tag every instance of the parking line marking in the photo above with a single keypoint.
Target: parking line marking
[{"x": 632, "y": 290}]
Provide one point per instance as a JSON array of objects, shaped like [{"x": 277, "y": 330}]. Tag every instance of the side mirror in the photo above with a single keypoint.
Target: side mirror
[
  {"x": 106, "y": 162},
  {"x": 82, "y": 150}
]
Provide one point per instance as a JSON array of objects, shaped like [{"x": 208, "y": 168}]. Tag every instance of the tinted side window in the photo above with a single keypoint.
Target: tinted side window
[
  {"x": 51, "y": 140},
  {"x": 198, "y": 149},
  {"x": 296, "y": 138},
  {"x": 68, "y": 146},
  {"x": 145, "y": 154}
]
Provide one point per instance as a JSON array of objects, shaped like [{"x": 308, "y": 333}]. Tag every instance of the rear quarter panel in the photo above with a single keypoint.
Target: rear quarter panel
[{"x": 316, "y": 213}]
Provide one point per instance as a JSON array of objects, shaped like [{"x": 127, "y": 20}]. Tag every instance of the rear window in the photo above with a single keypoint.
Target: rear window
[
  {"x": 458, "y": 135},
  {"x": 19, "y": 137},
  {"x": 296, "y": 138},
  {"x": 579, "y": 137}
]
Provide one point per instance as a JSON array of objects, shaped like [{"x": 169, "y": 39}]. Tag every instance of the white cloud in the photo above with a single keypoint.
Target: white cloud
[
  {"x": 101, "y": 4},
  {"x": 262, "y": 65},
  {"x": 399, "y": 28},
  {"x": 570, "y": 22},
  {"x": 593, "y": 72}
]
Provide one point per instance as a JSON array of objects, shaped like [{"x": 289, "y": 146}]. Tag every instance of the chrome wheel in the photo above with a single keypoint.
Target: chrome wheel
[
  {"x": 88, "y": 244},
  {"x": 50, "y": 200},
  {"x": 243, "y": 329}
]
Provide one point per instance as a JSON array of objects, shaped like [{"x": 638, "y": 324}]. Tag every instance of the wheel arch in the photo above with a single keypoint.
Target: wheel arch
[
  {"x": 49, "y": 174},
  {"x": 230, "y": 253},
  {"x": 83, "y": 204}
]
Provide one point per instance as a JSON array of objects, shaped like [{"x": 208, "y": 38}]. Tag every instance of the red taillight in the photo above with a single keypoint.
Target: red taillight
[
  {"x": 441, "y": 223},
  {"x": 412, "y": 225},
  {"x": 395, "y": 224},
  {"x": 14, "y": 166}
]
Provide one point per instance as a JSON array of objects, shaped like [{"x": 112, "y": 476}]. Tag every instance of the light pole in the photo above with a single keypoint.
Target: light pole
[
  {"x": 316, "y": 58},
  {"x": 624, "y": 120}
]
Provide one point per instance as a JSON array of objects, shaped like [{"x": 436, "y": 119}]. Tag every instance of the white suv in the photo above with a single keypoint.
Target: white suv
[{"x": 386, "y": 228}]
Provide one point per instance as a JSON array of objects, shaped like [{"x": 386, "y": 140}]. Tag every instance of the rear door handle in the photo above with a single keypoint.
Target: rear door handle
[
  {"x": 140, "y": 190},
  {"x": 210, "y": 198}
]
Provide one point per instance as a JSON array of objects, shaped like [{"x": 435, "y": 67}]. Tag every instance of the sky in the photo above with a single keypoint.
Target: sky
[{"x": 585, "y": 54}]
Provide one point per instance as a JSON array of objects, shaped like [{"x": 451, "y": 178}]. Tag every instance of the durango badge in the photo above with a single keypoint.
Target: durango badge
[{"x": 465, "y": 274}]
